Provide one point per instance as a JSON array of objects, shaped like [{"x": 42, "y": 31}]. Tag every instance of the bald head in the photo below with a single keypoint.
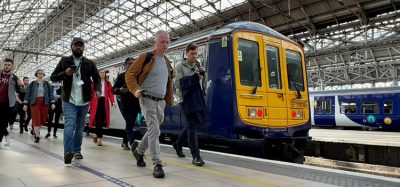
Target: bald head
[{"x": 162, "y": 41}]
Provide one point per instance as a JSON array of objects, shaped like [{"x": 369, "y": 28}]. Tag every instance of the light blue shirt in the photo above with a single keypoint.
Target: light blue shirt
[{"x": 76, "y": 91}]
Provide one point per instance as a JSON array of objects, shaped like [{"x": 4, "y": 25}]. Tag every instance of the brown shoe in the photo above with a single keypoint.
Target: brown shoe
[
  {"x": 95, "y": 139},
  {"x": 99, "y": 142}
]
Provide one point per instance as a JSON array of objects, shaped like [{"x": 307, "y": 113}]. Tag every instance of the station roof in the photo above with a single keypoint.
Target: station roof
[{"x": 338, "y": 35}]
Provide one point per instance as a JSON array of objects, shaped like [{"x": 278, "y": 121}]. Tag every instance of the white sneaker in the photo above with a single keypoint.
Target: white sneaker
[{"x": 7, "y": 143}]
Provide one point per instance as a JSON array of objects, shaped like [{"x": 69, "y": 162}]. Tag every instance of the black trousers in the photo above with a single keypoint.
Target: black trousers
[
  {"x": 56, "y": 114},
  {"x": 4, "y": 118},
  {"x": 100, "y": 117},
  {"x": 190, "y": 133},
  {"x": 129, "y": 111}
]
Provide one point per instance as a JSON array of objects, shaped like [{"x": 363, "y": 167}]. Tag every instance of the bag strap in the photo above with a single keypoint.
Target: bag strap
[{"x": 149, "y": 55}]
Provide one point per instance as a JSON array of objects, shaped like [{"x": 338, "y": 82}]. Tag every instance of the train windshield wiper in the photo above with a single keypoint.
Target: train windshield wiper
[
  {"x": 257, "y": 75},
  {"x": 298, "y": 95}
]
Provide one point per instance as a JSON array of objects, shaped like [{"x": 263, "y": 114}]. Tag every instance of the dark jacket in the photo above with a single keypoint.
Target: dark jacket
[
  {"x": 31, "y": 93},
  {"x": 88, "y": 73},
  {"x": 192, "y": 94},
  {"x": 128, "y": 97},
  {"x": 12, "y": 89}
]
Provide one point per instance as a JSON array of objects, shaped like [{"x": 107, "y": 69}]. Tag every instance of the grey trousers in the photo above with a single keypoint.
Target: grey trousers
[{"x": 153, "y": 112}]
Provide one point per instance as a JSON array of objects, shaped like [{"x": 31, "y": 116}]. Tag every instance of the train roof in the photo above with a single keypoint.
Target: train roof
[
  {"x": 249, "y": 26},
  {"x": 356, "y": 91},
  {"x": 206, "y": 34}
]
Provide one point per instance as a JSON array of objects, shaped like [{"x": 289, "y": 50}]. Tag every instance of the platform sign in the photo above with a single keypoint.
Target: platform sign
[{"x": 371, "y": 119}]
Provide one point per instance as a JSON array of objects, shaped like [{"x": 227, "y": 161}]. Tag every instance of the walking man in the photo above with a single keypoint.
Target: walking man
[
  {"x": 77, "y": 74},
  {"x": 192, "y": 102},
  {"x": 150, "y": 80},
  {"x": 8, "y": 97}
]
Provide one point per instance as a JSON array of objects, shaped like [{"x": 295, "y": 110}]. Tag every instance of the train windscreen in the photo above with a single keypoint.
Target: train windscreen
[
  {"x": 295, "y": 71},
  {"x": 249, "y": 63}
]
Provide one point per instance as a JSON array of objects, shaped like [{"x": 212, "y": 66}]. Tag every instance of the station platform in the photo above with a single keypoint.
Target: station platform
[
  {"x": 378, "y": 138},
  {"x": 25, "y": 163}
]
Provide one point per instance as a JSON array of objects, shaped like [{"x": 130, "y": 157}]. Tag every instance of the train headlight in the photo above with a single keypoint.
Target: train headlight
[
  {"x": 297, "y": 114},
  {"x": 253, "y": 113},
  {"x": 387, "y": 121}
]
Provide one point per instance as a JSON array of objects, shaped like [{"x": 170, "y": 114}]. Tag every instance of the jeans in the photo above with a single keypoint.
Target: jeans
[
  {"x": 74, "y": 124},
  {"x": 154, "y": 114}
]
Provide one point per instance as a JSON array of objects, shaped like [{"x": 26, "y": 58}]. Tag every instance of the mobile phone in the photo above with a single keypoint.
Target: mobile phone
[{"x": 73, "y": 67}]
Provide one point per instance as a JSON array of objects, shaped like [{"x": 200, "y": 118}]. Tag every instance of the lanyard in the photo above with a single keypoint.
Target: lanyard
[{"x": 77, "y": 69}]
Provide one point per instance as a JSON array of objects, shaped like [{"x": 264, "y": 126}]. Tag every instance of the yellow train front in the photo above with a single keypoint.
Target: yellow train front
[{"x": 256, "y": 90}]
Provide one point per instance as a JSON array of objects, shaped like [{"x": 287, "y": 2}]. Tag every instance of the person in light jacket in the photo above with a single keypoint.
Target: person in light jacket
[{"x": 39, "y": 95}]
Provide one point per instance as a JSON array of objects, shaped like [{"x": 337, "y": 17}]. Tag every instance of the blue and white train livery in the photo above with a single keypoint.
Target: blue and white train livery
[{"x": 365, "y": 108}]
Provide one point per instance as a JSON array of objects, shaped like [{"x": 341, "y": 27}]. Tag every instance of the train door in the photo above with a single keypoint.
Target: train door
[
  {"x": 250, "y": 78},
  {"x": 324, "y": 111},
  {"x": 277, "y": 109},
  {"x": 295, "y": 84}
]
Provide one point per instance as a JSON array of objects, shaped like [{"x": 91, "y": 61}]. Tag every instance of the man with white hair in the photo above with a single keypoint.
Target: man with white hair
[{"x": 150, "y": 80}]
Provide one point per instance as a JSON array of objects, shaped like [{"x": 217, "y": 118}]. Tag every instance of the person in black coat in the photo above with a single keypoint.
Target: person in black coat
[
  {"x": 128, "y": 105},
  {"x": 55, "y": 114}
]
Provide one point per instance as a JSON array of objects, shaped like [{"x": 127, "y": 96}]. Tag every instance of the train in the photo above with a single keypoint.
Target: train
[
  {"x": 255, "y": 89},
  {"x": 367, "y": 108}
]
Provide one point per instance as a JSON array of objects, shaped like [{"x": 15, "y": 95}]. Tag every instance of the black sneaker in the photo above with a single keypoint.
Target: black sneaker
[
  {"x": 178, "y": 150},
  {"x": 78, "y": 155},
  {"x": 26, "y": 128},
  {"x": 158, "y": 171},
  {"x": 37, "y": 139},
  {"x": 47, "y": 135},
  {"x": 68, "y": 157},
  {"x": 55, "y": 135},
  {"x": 134, "y": 145},
  {"x": 197, "y": 161},
  {"x": 32, "y": 133},
  {"x": 139, "y": 159},
  {"x": 125, "y": 146}
]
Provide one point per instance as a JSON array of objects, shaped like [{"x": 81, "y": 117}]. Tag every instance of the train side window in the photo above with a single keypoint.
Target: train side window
[
  {"x": 388, "y": 107},
  {"x": 319, "y": 107},
  {"x": 348, "y": 108},
  {"x": 370, "y": 108},
  {"x": 328, "y": 106},
  {"x": 249, "y": 63},
  {"x": 274, "y": 69}
]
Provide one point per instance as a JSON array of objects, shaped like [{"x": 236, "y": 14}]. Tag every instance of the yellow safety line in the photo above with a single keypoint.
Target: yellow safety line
[{"x": 223, "y": 174}]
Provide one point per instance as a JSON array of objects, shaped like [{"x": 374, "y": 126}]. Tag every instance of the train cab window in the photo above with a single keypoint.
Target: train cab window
[
  {"x": 274, "y": 75},
  {"x": 294, "y": 70},
  {"x": 348, "y": 108},
  {"x": 328, "y": 106},
  {"x": 388, "y": 107},
  {"x": 370, "y": 108},
  {"x": 319, "y": 107},
  {"x": 249, "y": 63}
]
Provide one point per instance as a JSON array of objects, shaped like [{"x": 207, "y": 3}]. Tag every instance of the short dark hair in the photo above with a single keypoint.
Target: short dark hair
[
  {"x": 25, "y": 78},
  {"x": 9, "y": 60},
  {"x": 128, "y": 60},
  {"x": 191, "y": 46}
]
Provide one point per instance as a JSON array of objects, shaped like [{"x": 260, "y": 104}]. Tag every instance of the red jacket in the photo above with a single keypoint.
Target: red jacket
[{"x": 108, "y": 96}]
